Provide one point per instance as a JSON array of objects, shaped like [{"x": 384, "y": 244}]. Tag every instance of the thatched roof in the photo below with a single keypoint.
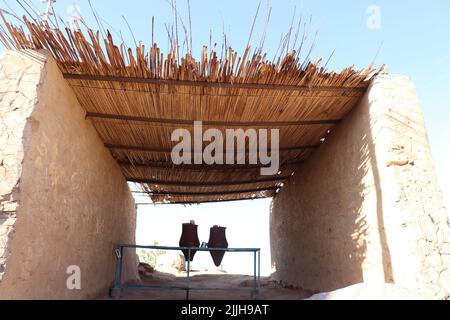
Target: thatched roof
[{"x": 135, "y": 98}]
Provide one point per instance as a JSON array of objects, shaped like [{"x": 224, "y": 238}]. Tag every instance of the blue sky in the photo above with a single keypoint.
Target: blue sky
[{"x": 414, "y": 35}]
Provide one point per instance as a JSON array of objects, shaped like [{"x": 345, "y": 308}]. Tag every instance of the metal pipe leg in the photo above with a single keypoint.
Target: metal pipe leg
[
  {"x": 188, "y": 274},
  {"x": 259, "y": 273},
  {"x": 254, "y": 276},
  {"x": 116, "y": 291}
]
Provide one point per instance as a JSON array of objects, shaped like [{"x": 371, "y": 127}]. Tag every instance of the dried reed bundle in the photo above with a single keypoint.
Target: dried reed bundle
[{"x": 136, "y": 97}]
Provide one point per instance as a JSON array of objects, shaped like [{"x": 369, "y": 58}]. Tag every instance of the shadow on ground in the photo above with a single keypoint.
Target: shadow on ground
[{"x": 238, "y": 287}]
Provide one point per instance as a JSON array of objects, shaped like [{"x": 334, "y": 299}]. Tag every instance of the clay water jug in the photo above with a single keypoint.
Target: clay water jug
[
  {"x": 189, "y": 238},
  {"x": 217, "y": 239}
]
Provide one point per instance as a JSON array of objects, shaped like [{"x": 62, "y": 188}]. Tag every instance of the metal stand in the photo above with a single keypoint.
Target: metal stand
[
  {"x": 188, "y": 284},
  {"x": 118, "y": 288},
  {"x": 116, "y": 291}
]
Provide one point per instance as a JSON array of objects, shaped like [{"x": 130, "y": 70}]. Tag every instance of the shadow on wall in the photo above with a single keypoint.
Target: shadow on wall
[
  {"x": 319, "y": 221},
  {"x": 371, "y": 157}
]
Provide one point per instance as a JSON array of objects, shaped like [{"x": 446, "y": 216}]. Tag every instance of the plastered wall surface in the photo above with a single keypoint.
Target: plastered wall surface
[
  {"x": 70, "y": 203},
  {"x": 366, "y": 206},
  {"x": 18, "y": 81}
]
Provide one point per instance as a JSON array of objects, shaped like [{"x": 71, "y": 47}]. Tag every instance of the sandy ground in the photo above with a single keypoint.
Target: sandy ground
[{"x": 241, "y": 286}]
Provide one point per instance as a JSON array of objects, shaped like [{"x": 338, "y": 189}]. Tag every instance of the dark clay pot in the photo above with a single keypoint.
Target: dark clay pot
[
  {"x": 217, "y": 239},
  {"x": 189, "y": 238}
]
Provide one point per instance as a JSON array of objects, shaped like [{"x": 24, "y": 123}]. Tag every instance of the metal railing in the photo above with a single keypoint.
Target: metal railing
[{"x": 116, "y": 291}]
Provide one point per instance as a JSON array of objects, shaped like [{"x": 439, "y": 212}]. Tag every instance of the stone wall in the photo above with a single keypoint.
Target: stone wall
[
  {"x": 63, "y": 199},
  {"x": 18, "y": 81},
  {"x": 366, "y": 206}
]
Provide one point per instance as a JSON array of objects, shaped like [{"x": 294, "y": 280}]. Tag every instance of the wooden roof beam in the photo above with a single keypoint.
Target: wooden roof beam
[
  {"x": 209, "y": 201},
  {"x": 206, "y": 184},
  {"x": 203, "y": 167},
  {"x": 218, "y": 193},
  {"x": 204, "y": 84},
  {"x": 179, "y": 122},
  {"x": 162, "y": 150}
]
